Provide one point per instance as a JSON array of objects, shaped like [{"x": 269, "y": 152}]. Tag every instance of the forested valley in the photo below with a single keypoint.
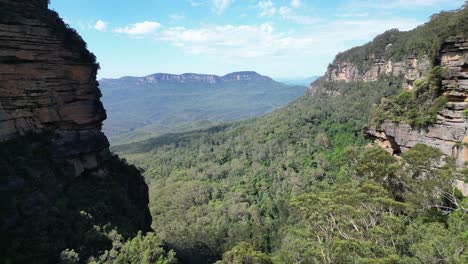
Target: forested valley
[
  {"x": 302, "y": 184},
  {"x": 320, "y": 180}
]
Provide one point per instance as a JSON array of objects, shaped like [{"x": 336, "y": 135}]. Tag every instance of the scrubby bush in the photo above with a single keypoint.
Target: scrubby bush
[{"x": 418, "y": 107}]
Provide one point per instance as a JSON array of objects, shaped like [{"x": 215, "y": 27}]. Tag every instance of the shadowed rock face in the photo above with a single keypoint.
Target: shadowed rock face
[
  {"x": 48, "y": 82},
  {"x": 449, "y": 133},
  {"x": 48, "y": 86}
]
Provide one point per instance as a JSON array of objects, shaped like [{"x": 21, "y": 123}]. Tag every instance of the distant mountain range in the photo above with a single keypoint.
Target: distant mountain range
[
  {"x": 190, "y": 78},
  {"x": 143, "y": 107}
]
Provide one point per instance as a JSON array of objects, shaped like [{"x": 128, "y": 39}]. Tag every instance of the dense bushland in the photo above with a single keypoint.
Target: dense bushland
[
  {"x": 417, "y": 107},
  {"x": 298, "y": 186}
]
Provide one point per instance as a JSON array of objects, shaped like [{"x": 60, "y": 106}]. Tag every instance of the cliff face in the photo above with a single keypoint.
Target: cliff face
[
  {"x": 449, "y": 133},
  {"x": 48, "y": 83},
  {"x": 48, "y": 86},
  {"x": 411, "y": 55},
  {"x": 411, "y": 68}
]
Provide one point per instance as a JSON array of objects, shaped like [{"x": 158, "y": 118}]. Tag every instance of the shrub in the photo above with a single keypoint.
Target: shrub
[{"x": 418, "y": 107}]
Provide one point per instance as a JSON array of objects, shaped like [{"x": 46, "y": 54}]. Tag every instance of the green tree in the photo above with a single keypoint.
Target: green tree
[
  {"x": 144, "y": 249},
  {"x": 245, "y": 253}
]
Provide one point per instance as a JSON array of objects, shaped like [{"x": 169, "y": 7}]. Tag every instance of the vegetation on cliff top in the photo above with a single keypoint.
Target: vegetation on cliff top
[
  {"x": 424, "y": 40},
  {"x": 418, "y": 107}
]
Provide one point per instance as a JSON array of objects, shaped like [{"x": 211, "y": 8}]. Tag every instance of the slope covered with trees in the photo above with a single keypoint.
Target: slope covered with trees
[
  {"x": 424, "y": 40},
  {"x": 141, "y": 108},
  {"x": 300, "y": 185}
]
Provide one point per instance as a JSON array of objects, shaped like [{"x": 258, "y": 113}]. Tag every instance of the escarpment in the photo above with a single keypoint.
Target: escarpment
[
  {"x": 381, "y": 57},
  {"x": 410, "y": 67},
  {"x": 402, "y": 59},
  {"x": 50, "y": 126},
  {"x": 48, "y": 83},
  {"x": 189, "y": 78},
  {"x": 449, "y": 132}
]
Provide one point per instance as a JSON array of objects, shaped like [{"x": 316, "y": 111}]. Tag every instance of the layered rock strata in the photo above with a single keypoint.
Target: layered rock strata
[
  {"x": 411, "y": 68},
  {"x": 48, "y": 83},
  {"x": 449, "y": 133},
  {"x": 48, "y": 86}
]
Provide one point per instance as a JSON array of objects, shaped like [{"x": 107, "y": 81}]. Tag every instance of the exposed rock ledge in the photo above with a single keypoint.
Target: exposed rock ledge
[
  {"x": 449, "y": 133},
  {"x": 412, "y": 68},
  {"x": 397, "y": 138}
]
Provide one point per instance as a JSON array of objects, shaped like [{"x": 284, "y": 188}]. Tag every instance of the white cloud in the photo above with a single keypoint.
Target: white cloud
[
  {"x": 219, "y": 6},
  {"x": 239, "y": 41},
  {"x": 242, "y": 42},
  {"x": 267, "y": 8},
  {"x": 288, "y": 14},
  {"x": 100, "y": 25},
  {"x": 254, "y": 41},
  {"x": 177, "y": 17},
  {"x": 296, "y": 3},
  {"x": 143, "y": 28}
]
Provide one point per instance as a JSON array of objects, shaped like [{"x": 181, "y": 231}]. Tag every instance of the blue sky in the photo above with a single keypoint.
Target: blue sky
[{"x": 279, "y": 38}]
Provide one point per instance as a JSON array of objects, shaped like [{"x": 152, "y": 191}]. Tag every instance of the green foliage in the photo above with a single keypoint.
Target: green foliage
[
  {"x": 424, "y": 40},
  {"x": 213, "y": 189},
  {"x": 244, "y": 253},
  {"x": 418, "y": 107},
  {"x": 434, "y": 242},
  {"x": 366, "y": 221},
  {"x": 344, "y": 224},
  {"x": 377, "y": 165},
  {"x": 296, "y": 184},
  {"x": 415, "y": 179},
  {"x": 429, "y": 187},
  {"x": 76, "y": 226},
  {"x": 69, "y": 257},
  {"x": 140, "y": 111},
  {"x": 138, "y": 250}
]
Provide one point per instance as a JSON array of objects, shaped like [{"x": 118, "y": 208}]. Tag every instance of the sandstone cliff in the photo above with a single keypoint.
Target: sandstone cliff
[
  {"x": 48, "y": 83},
  {"x": 378, "y": 58},
  {"x": 411, "y": 68},
  {"x": 48, "y": 90},
  {"x": 450, "y": 132},
  {"x": 401, "y": 58}
]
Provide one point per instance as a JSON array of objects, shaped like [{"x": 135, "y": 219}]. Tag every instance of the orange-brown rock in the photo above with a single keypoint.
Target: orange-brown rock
[
  {"x": 48, "y": 86},
  {"x": 48, "y": 82},
  {"x": 450, "y": 132}
]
